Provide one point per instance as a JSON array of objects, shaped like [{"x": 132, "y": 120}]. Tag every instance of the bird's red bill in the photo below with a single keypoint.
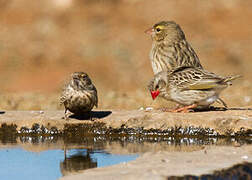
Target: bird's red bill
[{"x": 154, "y": 94}]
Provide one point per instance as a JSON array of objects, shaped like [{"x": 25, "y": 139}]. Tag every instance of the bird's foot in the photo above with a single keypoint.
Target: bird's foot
[
  {"x": 93, "y": 118},
  {"x": 185, "y": 109},
  {"x": 65, "y": 117},
  {"x": 90, "y": 116}
]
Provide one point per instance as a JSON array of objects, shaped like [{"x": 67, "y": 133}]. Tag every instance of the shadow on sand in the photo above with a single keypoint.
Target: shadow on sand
[
  {"x": 92, "y": 115},
  {"x": 2, "y": 112}
]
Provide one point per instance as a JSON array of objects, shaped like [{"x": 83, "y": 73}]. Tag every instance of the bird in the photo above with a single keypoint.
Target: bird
[
  {"x": 190, "y": 87},
  {"x": 79, "y": 95},
  {"x": 170, "y": 49}
]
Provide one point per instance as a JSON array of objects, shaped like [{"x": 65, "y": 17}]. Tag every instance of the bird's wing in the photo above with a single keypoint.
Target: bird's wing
[
  {"x": 96, "y": 96},
  {"x": 63, "y": 96},
  {"x": 211, "y": 80},
  {"x": 204, "y": 85},
  {"x": 197, "y": 79},
  {"x": 62, "y": 99},
  {"x": 96, "y": 101}
]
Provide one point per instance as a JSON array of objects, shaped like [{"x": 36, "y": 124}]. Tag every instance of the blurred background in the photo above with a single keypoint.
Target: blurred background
[{"x": 43, "y": 42}]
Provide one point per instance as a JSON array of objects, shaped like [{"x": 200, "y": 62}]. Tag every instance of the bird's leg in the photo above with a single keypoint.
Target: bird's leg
[
  {"x": 219, "y": 100},
  {"x": 185, "y": 109},
  {"x": 90, "y": 116},
  {"x": 65, "y": 151},
  {"x": 66, "y": 115}
]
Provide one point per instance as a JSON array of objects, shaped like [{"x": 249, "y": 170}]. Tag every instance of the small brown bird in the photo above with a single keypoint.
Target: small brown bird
[
  {"x": 189, "y": 86},
  {"x": 170, "y": 49},
  {"x": 79, "y": 95}
]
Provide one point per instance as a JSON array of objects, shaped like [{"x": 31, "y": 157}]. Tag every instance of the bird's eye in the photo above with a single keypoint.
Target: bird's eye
[
  {"x": 157, "y": 86},
  {"x": 158, "y": 29}
]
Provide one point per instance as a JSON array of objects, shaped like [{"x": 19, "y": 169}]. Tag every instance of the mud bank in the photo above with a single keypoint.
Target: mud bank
[{"x": 211, "y": 123}]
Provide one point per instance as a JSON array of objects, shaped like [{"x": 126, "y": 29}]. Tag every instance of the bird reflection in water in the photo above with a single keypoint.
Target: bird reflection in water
[{"x": 77, "y": 162}]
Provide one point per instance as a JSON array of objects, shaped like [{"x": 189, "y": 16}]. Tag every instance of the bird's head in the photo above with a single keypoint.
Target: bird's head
[
  {"x": 81, "y": 79},
  {"x": 158, "y": 85},
  {"x": 166, "y": 30}
]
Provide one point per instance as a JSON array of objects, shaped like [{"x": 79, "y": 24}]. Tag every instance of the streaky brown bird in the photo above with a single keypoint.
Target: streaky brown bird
[
  {"x": 189, "y": 86},
  {"x": 170, "y": 48},
  {"x": 79, "y": 95}
]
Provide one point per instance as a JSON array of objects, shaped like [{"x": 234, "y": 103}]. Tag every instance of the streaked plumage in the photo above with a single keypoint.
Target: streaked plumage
[
  {"x": 189, "y": 86},
  {"x": 170, "y": 48},
  {"x": 79, "y": 95}
]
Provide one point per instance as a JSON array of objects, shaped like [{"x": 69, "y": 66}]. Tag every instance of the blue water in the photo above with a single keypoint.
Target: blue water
[{"x": 52, "y": 164}]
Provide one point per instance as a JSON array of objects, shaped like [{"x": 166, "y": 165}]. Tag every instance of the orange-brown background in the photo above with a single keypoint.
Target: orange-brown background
[{"x": 42, "y": 42}]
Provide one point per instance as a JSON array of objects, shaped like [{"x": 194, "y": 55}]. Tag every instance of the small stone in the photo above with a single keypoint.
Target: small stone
[
  {"x": 165, "y": 160},
  {"x": 244, "y": 157},
  {"x": 141, "y": 109},
  {"x": 247, "y": 99},
  {"x": 149, "y": 108}
]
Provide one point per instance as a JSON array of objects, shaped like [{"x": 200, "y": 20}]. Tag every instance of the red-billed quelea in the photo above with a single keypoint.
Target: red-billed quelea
[{"x": 189, "y": 86}]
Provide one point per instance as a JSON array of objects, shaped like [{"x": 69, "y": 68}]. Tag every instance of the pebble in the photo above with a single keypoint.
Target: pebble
[
  {"x": 247, "y": 99},
  {"x": 149, "y": 108},
  {"x": 141, "y": 109},
  {"x": 165, "y": 160},
  {"x": 244, "y": 157}
]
